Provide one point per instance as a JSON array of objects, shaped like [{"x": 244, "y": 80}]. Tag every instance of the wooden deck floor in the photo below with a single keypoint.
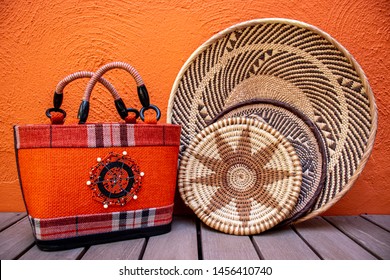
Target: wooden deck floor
[{"x": 362, "y": 237}]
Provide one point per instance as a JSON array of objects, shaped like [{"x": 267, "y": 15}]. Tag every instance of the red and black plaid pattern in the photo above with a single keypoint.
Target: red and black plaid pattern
[
  {"x": 96, "y": 135},
  {"x": 68, "y": 227}
]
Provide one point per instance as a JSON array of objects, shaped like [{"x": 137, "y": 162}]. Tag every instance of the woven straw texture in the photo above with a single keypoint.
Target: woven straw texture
[
  {"x": 240, "y": 176},
  {"x": 291, "y": 62},
  {"x": 303, "y": 136}
]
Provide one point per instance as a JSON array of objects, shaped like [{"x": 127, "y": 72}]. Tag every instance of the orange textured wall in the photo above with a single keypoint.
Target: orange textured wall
[{"x": 42, "y": 41}]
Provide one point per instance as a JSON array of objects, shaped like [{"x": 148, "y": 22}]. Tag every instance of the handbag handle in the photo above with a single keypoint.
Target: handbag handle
[
  {"x": 143, "y": 94},
  {"x": 59, "y": 114}
]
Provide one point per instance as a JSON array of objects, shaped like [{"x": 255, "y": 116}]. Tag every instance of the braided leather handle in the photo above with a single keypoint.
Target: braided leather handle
[
  {"x": 121, "y": 108},
  {"x": 101, "y": 71},
  {"x": 85, "y": 74},
  {"x": 58, "y": 94}
]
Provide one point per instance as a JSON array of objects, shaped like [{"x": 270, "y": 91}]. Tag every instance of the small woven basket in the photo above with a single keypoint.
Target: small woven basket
[
  {"x": 303, "y": 135},
  {"x": 240, "y": 176}
]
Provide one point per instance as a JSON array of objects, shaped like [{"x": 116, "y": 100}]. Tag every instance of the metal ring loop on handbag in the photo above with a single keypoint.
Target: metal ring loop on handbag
[
  {"x": 48, "y": 112},
  {"x": 135, "y": 111},
  {"x": 154, "y": 107}
]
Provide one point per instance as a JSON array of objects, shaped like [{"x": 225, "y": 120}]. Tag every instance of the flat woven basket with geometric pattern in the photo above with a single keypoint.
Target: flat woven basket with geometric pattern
[
  {"x": 291, "y": 62},
  {"x": 303, "y": 135},
  {"x": 240, "y": 176}
]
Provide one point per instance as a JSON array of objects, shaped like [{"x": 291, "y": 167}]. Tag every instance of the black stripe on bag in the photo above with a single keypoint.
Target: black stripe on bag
[
  {"x": 122, "y": 220},
  {"x": 145, "y": 218}
]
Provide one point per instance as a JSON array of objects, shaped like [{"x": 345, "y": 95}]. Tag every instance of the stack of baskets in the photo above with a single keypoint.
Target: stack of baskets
[{"x": 278, "y": 120}]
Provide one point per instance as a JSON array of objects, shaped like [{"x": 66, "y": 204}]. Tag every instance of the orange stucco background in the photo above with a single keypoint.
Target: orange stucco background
[{"x": 42, "y": 41}]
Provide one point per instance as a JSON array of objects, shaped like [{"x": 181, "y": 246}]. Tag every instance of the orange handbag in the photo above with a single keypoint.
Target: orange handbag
[{"x": 91, "y": 183}]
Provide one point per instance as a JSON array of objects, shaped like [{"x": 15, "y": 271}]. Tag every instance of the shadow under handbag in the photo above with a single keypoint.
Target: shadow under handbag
[{"x": 91, "y": 183}]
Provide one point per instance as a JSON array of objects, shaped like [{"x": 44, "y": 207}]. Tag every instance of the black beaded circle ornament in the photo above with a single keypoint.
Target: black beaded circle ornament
[{"x": 115, "y": 179}]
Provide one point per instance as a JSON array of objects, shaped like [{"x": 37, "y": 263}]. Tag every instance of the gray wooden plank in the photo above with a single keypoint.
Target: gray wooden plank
[
  {"x": 368, "y": 235},
  {"x": 121, "y": 250},
  {"x": 381, "y": 220},
  {"x": 15, "y": 239},
  {"x": 329, "y": 242},
  {"x": 8, "y": 218},
  {"x": 36, "y": 254},
  {"x": 283, "y": 244},
  {"x": 179, "y": 244},
  {"x": 220, "y": 246}
]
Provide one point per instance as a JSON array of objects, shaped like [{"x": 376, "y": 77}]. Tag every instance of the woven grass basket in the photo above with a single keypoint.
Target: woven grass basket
[
  {"x": 303, "y": 135},
  {"x": 240, "y": 176},
  {"x": 291, "y": 62}
]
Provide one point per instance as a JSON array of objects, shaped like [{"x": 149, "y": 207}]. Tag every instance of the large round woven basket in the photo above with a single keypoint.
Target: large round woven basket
[
  {"x": 291, "y": 62},
  {"x": 240, "y": 176},
  {"x": 303, "y": 135}
]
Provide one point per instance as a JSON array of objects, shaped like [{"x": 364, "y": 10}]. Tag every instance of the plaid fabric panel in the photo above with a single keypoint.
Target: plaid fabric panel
[
  {"x": 110, "y": 135},
  {"x": 68, "y": 227},
  {"x": 27, "y": 136},
  {"x": 96, "y": 135}
]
